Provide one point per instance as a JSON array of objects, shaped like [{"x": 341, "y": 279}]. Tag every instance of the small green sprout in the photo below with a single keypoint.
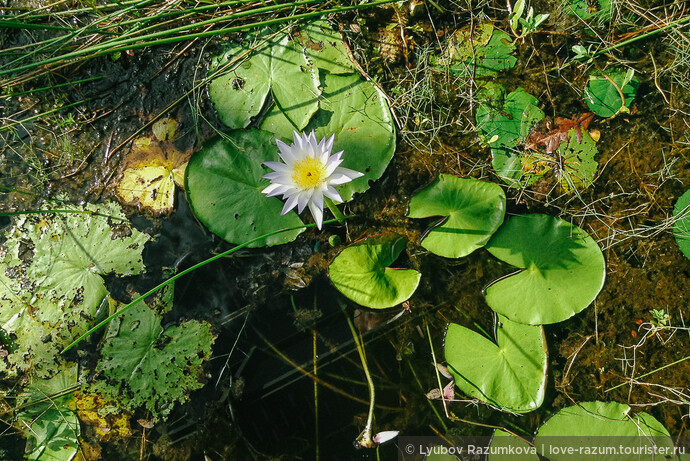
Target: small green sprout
[
  {"x": 529, "y": 23},
  {"x": 660, "y": 318}
]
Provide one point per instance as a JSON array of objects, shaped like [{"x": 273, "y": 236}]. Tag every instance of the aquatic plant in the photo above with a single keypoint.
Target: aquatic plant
[
  {"x": 509, "y": 374},
  {"x": 561, "y": 271},
  {"x": 598, "y": 427},
  {"x": 477, "y": 51},
  {"x": 51, "y": 284},
  {"x": 148, "y": 366},
  {"x": 504, "y": 121},
  {"x": 48, "y": 419},
  {"x": 328, "y": 99},
  {"x": 471, "y": 212},
  {"x": 361, "y": 272},
  {"x": 681, "y": 227},
  {"x": 609, "y": 93},
  {"x": 308, "y": 174}
]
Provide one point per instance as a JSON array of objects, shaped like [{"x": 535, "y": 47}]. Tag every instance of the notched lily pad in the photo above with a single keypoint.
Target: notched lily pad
[
  {"x": 478, "y": 51},
  {"x": 472, "y": 211},
  {"x": 51, "y": 284},
  {"x": 563, "y": 270},
  {"x": 361, "y": 272},
  {"x": 324, "y": 47},
  {"x": 152, "y": 169},
  {"x": 509, "y": 374},
  {"x": 277, "y": 66},
  {"x": 224, "y": 183},
  {"x": 150, "y": 366}
]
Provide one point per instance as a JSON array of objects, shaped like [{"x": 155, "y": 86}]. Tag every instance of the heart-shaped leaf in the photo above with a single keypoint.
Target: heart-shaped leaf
[
  {"x": 472, "y": 211},
  {"x": 681, "y": 228},
  {"x": 277, "y": 65},
  {"x": 357, "y": 113},
  {"x": 563, "y": 270},
  {"x": 224, "y": 183},
  {"x": 361, "y": 273},
  {"x": 509, "y": 374},
  {"x": 586, "y": 424}
]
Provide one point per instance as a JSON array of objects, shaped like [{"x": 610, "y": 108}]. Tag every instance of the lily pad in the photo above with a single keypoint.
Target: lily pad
[
  {"x": 361, "y": 272},
  {"x": 585, "y": 424},
  {"x": 507, "y": 447},
  {"x": 584, "y": 9},
  {"x": 603, "y": 95},
  {"x": 573, "y": 164},
  {"x": 509, "y": 374},
  {"x": 150, "y": 366},
  {"x": 224, "y": 183},
  {"x": 52, "y": 285},
  {"x": 51, "y": 427},
  {"x": 503, "y": 121},
  {"x": 277, "y": 66},
  {"x": 324, "y": 47},
  {"x": 472, "y": 211},
  {"x": 681, "y": 228},
  {"x": 152, "y": 169},
  {"x": 478, "y": 51},
  {"x": 357, "y": 113},
  {"x": 562, "y": 270}
]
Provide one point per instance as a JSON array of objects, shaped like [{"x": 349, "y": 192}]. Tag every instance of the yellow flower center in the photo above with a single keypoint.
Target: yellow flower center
[{"x": 308, "y": 173}]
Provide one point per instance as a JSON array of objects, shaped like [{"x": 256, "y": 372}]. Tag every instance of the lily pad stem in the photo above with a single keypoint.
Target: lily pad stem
[{"x": 334, "y": 209}]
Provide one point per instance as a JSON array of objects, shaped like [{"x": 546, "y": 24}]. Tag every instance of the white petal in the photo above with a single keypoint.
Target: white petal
[
  {"x": 333, "y": 163},
  {"x": 338, "y": 178},
  {"x": 385, "y": 436},
  {"x": 281, "y": 189},
  {"x": 289, "y": 204},
  {"x": 278, "y": 176},
  {"x": 317, "y": 213},
  {"x": 278, "y": 166},
  {"x": 297, "y": 137},
  {"x": 303, "y": 198},
  {"x": 271, "y": 188},
  {"x": 353, "y": 174},
  {"x": 285, "y": 152},
  {"x": 333, "y": 194}
]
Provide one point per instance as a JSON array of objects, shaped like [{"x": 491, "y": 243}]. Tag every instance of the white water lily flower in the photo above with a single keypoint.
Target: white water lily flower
[{"x": 308, "y": 174}]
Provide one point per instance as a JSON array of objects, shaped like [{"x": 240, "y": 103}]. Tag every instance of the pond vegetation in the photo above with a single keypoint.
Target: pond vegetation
[{"x": 497, "y": 244}]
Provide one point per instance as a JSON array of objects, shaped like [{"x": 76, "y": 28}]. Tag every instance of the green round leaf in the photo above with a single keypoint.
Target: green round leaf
[
  {"x": 681, "y": 228},
  {"x": 503, "y": 122},
  {"x": 224, "y": 183},
  {"x": 587, "y": 423},
  {"x": 509, "y": 374},
  {"x": 507, "y": 447},
  {"x": 479, "y": 51},
  {"x": 472, "y": 211},
  {"x": 357, "y": 113},
  {"x": 279, "y": 65},
  {"x": 585, "y": 10},
  {"x": 361, "y": 273},
  {"x": 324, "y": 47},
  {"x": 602, "y": 96},
  {"x": 563, "y": 270}
]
